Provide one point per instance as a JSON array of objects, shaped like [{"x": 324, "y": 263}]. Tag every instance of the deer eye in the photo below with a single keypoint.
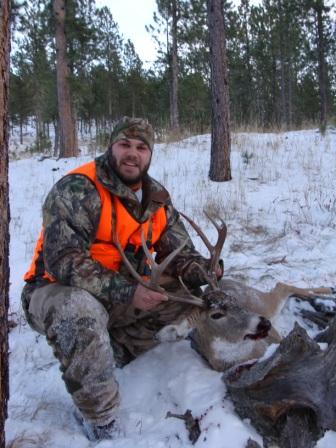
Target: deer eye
[{"x": 217, "y": 316}]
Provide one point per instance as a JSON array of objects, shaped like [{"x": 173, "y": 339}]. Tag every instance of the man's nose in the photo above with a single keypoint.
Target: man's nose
[{"x": 131, "y": 151}]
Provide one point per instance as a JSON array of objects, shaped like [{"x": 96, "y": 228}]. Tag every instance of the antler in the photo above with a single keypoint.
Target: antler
[
  {"x": 156, "y": 272},
  {"x": 215, "y": 250}
]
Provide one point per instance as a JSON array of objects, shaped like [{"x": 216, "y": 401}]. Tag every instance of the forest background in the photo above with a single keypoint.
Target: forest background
[{"x": 281, "y": 61}]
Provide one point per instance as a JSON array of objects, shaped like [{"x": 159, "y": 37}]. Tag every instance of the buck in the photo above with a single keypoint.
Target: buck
[{"x": 231, "y": 322}]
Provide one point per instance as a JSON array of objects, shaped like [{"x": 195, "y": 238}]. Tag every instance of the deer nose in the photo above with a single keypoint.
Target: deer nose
[{"x": 263, "y": 326}]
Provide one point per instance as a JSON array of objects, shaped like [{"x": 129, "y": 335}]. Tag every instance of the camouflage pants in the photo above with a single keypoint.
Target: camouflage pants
[{"x": 88, "y": 341}]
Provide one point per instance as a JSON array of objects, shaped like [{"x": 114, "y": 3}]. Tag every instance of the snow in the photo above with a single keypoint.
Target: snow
[{"x": 280, "y": 209}]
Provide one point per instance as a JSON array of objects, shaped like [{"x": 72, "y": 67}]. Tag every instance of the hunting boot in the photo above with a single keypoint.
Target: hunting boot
[{"x": 96, "y": 432}]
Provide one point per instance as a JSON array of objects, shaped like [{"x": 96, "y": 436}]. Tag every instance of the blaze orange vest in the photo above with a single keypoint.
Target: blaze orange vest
[{"x": 127, "y": 228}]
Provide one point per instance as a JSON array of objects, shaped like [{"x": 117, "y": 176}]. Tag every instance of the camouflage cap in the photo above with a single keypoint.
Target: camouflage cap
[{"x": 137, "y": 128}]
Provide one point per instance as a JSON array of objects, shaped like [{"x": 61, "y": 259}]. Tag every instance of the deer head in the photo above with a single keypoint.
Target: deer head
[
  {"x": 225, "y": 333},
  {"x": 220, "y": 329},
  {"x": 229, "y": 334}
]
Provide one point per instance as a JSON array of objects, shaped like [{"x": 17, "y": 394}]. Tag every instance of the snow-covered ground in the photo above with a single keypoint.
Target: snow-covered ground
[{"x": 280, "y": 209}]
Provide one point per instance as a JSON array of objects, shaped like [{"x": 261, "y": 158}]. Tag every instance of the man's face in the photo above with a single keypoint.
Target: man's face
[{"x": 130, "y": 159}]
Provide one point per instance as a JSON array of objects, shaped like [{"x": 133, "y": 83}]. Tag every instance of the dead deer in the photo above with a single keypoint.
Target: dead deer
[{"x": 230, "y": 323}]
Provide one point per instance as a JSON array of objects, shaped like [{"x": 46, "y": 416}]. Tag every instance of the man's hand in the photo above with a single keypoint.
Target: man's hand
[{"x": 145, "y": 299}]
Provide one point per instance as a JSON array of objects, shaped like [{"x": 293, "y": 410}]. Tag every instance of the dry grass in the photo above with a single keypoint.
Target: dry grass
[
  {"x": 276, "y": 129},
  {"x": 174, "y": 136},
  {"x": 167, "y": 136}
]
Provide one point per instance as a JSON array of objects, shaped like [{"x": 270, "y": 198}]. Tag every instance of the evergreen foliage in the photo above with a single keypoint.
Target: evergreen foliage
[{"x": 281, "y": 61}]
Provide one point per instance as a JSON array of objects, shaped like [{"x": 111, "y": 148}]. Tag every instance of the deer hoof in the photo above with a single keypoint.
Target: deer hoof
[{"x": 324, "y": 305}]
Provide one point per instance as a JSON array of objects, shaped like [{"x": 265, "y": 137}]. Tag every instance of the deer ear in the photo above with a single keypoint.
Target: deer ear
[{"x": 220, "y": 272}]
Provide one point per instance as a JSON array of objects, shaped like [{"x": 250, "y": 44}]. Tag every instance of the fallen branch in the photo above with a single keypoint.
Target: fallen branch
[{"x": 191, "y": 424}]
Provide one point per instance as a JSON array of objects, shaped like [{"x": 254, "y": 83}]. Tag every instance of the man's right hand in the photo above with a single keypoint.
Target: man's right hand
[{"x": 145, "y": 299}]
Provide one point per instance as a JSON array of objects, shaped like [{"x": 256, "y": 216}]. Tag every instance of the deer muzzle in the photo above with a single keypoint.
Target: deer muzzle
[{"x": 262, "y": 329}]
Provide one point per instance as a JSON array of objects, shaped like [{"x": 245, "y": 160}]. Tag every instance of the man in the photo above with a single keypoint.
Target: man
[{"x": 78, "y": 292}]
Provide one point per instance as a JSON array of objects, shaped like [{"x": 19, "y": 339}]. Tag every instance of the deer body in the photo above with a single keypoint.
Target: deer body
[
  {"x": 237, "y": 328},
  {"x": 230, "y": 323},
  {"x": 268, "y": 304}
]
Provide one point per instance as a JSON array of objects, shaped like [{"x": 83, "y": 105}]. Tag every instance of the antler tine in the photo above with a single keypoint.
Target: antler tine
[
  {"x": 210, "y": 218},
  {"x": 215, "y": 250},
  {"x": 193, "y": 299},
  {"x": 131, "y": 268},
  {"x": 198, "y": 231},
  {"x": 212, "y": 280},
  {"x": 158, "y": 269},
  {"x": 146, "y": 250}
]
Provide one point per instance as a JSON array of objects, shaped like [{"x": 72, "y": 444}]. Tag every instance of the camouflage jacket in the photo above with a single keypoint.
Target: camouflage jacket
[{"x": 70, "y": 218}]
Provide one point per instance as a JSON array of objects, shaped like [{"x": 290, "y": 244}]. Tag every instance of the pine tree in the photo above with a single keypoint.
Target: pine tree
[
  {"x": 68, "y": 134},
  {"x": 20, "y": 101},
  {"x": 220, "y": 169},
  {"x": 33, "y": 76},
  {"x": 4, "y": 207},
  {"x": 169, "y": 15},
  {"x": 110, "y": 49},
  {"x": 174, "y": 68},
  {"x": 320, "y": 9},
  {"x": 274, "y": 51},
  {"x": 134, "y": 82}
]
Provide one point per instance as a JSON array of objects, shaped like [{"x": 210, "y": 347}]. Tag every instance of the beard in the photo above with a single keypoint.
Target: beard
[{"x": 128, "y": 180}]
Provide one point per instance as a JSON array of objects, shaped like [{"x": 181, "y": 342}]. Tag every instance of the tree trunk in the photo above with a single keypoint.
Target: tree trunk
[
  {"x": 109, "y": 95},
  {"x": 283, "y": 33},
  {"x": 249, "y": 114},
  {"x": 57, "y": 137},
  {"x": 4, "y": 212},
  {"x": 290, "y": 75},
  {"x": 174, "y": 112},
  {"x": 133, "y": 103},
  {"x": 21, "y": 131},
  {"x": 220, "y": 169},
  {"x": 68, "y": 135},
  {"x": 319, "y": 6}
]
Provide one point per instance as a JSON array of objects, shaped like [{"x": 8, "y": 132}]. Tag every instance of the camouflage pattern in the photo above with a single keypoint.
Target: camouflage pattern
[
  {"x": 90, "y": 323},
  {"x": 75, "y": 325},
  {"x": 88, "y": 342},
  {"x": 133, "y": 128},
  {"x": 70, "y": 218}
]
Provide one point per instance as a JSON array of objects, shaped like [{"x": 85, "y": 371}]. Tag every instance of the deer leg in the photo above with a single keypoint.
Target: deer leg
[
  {"x": 274, "y": 300},
  {"x": 322, "y": 299},
  {"x": 277, "y": 297},
  {"x": 283, "y": 291},
  {"x": 313, "y": 293}
]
